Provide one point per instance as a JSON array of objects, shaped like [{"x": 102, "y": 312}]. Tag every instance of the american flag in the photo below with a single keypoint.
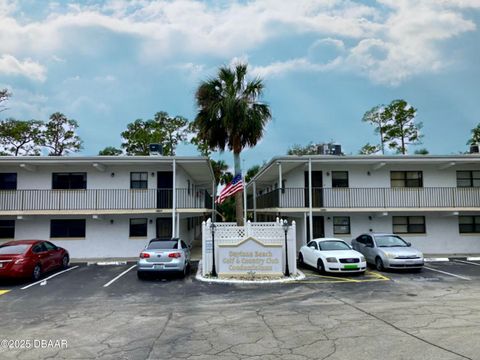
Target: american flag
[{"x": 235, "y": 186}]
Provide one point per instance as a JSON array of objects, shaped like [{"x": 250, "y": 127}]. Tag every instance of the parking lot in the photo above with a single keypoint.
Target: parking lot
[{"x": 106, "y": 312}]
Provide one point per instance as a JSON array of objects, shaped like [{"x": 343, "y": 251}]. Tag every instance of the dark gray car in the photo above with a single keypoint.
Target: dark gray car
[
  {"x": 162, "y": 256},
  {"x": 388, "y": 251}
]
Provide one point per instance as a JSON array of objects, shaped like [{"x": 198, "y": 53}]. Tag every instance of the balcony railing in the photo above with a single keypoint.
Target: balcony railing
[
  {"x": 428, "y": 197},
  {"x": 103, "y": 199}
]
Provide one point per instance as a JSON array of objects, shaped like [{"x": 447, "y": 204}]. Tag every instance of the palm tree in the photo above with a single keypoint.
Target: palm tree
[{"x": 231, "y": 116}]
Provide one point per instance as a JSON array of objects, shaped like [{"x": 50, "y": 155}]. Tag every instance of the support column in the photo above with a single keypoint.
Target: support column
[
  {"x": 280, "y": 180},
  {"x": 174, "y": 200},
  {"x": 177, "y": 231},
  {"x": 254, "y": 201},
  {"x": 305, "y": 228},
  {"x": 310, "y": 197}
]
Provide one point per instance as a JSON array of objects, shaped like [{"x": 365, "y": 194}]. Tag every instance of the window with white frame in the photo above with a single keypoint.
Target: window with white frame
[
  {"x": 340, "y": 179},
  {"x": 341, "y": 225},
  {"x": 468, "y": 178},
  {"x": 406, "y": 179},
  {"x": 409, "y": 224},
  {"x": 138, "y": 180},
  {"x": 469, "y": 224},
  {"x": 138, "y": 227}
]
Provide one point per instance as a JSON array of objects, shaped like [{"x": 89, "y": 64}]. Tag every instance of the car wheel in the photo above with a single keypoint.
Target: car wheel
[
  {"x": 37, "y": 272},
  {"x": 379, "y": 264},
  {"x": 320, "y": 266},
  {"x": 65, "y": 261},
  {"x": 186, "y": 270},
  {"x": 300, "y": 260}
]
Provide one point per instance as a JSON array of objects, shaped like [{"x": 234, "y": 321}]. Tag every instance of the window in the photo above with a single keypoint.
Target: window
[
  {"x": 7, "y": 229},
  {"x": 341, "y": 225},
  {"x": 8, "y": 181},
  {"x": 138, "y": 180},
  {"x": 406, "y": 179},
  {"x": 468, "y": 178},
  {"x": 138, "y": 227},
  {"x": 469, "y": 224},
  {"x": 67, "y": 228},
  {"x": 409, "y": 224},
  {"x": 49, "y": 246},
  {"x": 39, "y": 248},
  {"x": 313, "y": 245},
  {"x": 339, "y": 179},
  {"x": 69, "y": 181}
]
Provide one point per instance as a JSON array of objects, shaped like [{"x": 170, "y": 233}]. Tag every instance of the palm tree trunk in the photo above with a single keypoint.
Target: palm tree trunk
[{"x": 238, "y": 195}]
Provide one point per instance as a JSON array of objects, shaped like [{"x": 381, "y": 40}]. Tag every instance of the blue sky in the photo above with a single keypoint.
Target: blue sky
[{"x": 107, "y": 63}]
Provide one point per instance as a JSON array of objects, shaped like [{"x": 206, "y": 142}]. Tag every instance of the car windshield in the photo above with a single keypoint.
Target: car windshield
[
  {"x": 390, "y": 241},
  {"x": 333, "y": 245},
  {"x": 166, "y": 244},
  {"x": 13, "y": 249}
]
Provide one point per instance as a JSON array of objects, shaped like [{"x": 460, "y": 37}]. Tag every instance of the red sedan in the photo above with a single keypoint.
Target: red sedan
[{"x": 30, "y": 258}]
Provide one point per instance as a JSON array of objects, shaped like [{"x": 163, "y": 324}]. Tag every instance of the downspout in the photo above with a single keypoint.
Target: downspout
[{"x": 174, "y": 201}]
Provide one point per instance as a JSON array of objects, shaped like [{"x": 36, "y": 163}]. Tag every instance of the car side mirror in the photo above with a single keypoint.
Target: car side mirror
[{"x": 409, "y": 244}]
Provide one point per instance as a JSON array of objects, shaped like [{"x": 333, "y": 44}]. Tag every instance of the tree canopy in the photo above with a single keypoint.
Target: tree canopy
[
  {"x": 396, "y": 125},
  {"x": 163, "y": 129},
  {"x": 110, "y": 151},
  {"x": 19, "y": 137},
  {"x": 4, "y": 96},
  {"x": 59, "y": 135},
  {"x": 475, "y": 136},
  {"x": 231, "y": 116}
]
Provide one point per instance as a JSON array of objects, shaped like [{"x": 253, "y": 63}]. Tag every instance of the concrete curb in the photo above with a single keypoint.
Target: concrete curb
[{"x": 199, "y": 277}]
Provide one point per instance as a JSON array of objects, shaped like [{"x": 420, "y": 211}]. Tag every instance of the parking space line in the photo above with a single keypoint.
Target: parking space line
[
  {"x": 447, "y": 273},
  {"x": 467, "y": 262},
  {"x": 119, "y": 276},
  {"x": 378, "y": 275},
  {"x": 50, "y": 277},
  {"x": 2, "y": 292}
]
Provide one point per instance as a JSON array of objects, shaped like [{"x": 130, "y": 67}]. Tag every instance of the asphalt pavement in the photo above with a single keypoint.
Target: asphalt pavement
[{"x": 105, "y": 312}]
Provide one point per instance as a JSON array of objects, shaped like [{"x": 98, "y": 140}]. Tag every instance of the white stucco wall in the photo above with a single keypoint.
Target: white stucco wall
[
  {"x": 442, "y": 232},
  {"x": 102, "y": 238},
  {"x": 359, "y": 178}
]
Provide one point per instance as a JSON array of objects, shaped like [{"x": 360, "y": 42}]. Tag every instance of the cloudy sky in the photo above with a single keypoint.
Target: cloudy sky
[{"x": 325, "y": 62}]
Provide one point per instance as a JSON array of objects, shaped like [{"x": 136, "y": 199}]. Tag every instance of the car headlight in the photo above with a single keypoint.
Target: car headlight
[
  {"x": 362, "y": 258},
  {"x": 332, "y": 260},
  {"x": 391, "y": 256}
]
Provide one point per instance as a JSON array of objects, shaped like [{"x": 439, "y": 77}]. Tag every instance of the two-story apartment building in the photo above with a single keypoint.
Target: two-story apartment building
[
  {"x": 432, "y": 201},
  {"x": 104, "y": 206}
]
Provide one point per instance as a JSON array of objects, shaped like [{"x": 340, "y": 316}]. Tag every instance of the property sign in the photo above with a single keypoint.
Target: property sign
[{"x": 250, "y": 256}]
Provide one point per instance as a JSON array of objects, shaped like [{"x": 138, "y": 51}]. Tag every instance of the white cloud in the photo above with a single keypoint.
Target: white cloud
[
  {"x": 387, "y": 43},
  {"x": 9, "y": 65}
]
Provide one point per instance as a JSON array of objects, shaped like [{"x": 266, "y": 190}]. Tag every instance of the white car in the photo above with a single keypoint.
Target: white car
[{"x": 332, "y": 255}]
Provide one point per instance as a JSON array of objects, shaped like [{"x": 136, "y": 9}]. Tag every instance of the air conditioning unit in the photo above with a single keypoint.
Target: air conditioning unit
[
  {"x": 474, "y": 149},
  {"x": 155, "y": 149}
]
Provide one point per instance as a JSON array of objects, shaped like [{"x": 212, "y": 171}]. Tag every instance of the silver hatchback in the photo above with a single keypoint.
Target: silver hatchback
[
  {"x": 164, "y": 256},
  {"x": 388, "y": 251}
]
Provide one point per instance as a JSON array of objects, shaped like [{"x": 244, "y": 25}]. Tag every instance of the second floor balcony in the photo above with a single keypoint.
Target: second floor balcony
[
  {"x": 103, "y": 199},
  {"x": 370, "y": 198}
]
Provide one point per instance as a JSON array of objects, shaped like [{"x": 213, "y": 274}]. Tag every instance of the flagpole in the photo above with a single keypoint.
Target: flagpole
[{"x": 244, "y": 195}]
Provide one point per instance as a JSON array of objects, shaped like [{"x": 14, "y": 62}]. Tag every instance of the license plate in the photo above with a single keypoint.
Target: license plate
[
  {"x": 158, "y": 267},
  {"x": 350, "y": 267}
]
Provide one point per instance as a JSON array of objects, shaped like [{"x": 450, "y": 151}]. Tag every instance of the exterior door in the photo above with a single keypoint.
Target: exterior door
[
  {"x": 317, "y": 189},
  {"x": 164, "y": 228},
  {"x": 318, "y": 227},
  {"x": 164, "y": 189}
]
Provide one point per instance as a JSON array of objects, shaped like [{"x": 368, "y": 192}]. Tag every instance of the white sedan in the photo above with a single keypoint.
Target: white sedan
[{"x": 332, "y": 255}]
